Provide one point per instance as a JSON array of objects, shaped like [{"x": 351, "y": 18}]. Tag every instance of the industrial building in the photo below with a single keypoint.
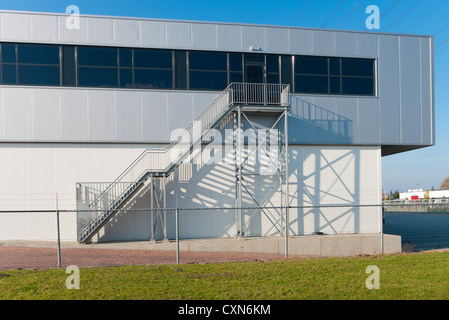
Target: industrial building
[{"x": 134, "y": 113}]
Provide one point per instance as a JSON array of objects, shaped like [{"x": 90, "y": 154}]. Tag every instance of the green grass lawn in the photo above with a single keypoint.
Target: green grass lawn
[{"x": 404, "y": 276}]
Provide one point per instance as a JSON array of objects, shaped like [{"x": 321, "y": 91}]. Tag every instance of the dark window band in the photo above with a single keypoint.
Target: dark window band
[{"x": 111, "y": 67}]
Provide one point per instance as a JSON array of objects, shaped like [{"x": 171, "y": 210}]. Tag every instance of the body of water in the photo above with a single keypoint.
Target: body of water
[{"x": 419, "y": 231}]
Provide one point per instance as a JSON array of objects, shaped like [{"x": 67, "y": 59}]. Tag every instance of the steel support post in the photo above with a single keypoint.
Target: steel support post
[
  {"x": 152, "y": 206},
  {"x": 286, "y": 178},
  {"x": 165, "y": 206},
  {"x": 239, "y": 159}
]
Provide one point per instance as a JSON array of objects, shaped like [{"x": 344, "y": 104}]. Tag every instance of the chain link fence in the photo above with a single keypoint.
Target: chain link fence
[
  {"x": 422, "y": 224},
  {"x": 48, "y": 238}
]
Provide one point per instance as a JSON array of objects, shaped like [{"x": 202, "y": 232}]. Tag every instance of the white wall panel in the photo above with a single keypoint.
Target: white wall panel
[
  {"x": 128, "y": 116},
  {"x": 368, "y": 121},
  {"x": 15, "y": 26},
  {"x": 410, "y": 90},
  {"x": 39, "y": 169},
  {"x": 277, "y": 40},
  {"x": 153, "y": 33},
  {"x": 345, "y": 44},
  {"x": 253, "y": 36},
  {"x": 346, "y": 124},
  {"x": 426, "y": 91},
  {"x": 101, "y": 113},
  {"x": 323, "y": 42},
  {"x": 180, "y": 111},
  {"x": 69, "y": 34},
  {"x": 301, "y": 41},
  {"x": 155, "y": 116},
  {"x": 367, "y": 45},
  {"x": 74, "y": 119},
  {"x": 12, "y": 171},
  {"x": 335, "y": 175},
  {"x": 119, "y": 158},
  {"x": 302, "y": 119},
  {"x": 66, "y": 163},
  {"x": 201, "y": 102},
  {"x": 389, "y": 89},
  {"x": 45, "y": 111},
  {"x": 94, "y": 163},
  {"x": 126, "y": 32},
  {"x": 99, "y": 30},
  {"x": 179, "y": 34},
  {"x": 44, "y": 28},
  {"x": 229, "y": 37},
  {"x": 204, "y": 36},
  {"x": 17, "y": 114}
]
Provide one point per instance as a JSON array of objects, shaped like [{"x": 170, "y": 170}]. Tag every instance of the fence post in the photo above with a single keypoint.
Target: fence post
[
  {"x": 59, "y": 237},
  {"x": 177, "y": 236},
  {"x": 382, "y": 229}
]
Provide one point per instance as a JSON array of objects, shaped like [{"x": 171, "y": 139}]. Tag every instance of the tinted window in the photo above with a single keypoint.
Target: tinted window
[
  {"x": 235, "y": 62},
  {"x": 358, "y": 86},
  {"x": 334, "y": 85},
  {"x": 126, "y": 78},
  {"x": 148, "y": 78},
  {"x": 357, "y": 67},
  {"x": 272, "y": 63},
  {"x": 236, "y": 77},
  {"x": 207, "y": 61},
  {"x": 144, "y": 58},
  {"x": 9, "y": 74},
  {"x": 38, "y": 75},
  {"x": 273, "y": 78},
  {"x": 9, "y": 53},
  {"x": 96, "y": 56},
  {"x": 126, "y": 57},
  {"x": 334, "y": 66},
  {"x": 38, "y": 54},
  {"x": 208, "y": 80},
  {"x": 254, "y": 73},
  {"x": 287, "y": 72},
  {"x": 254, "y": 57},
  {"x": 97, "y": 77},
  {"x": 311, "y": 84},
  {"x": 310, "y": 65},
  {"x": 208, "y": 70}
]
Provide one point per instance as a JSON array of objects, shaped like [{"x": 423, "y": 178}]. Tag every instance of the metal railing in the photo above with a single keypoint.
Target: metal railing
[
  {"x": 420, "y": 205},
  {"x": 260, "y": 94},
  {"x": 108, "y": 196}
]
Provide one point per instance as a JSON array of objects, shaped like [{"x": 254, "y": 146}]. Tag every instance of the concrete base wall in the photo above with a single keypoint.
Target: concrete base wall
[
  {"x": 304, "y": 246},
  {"x": 312, "y": 245}
]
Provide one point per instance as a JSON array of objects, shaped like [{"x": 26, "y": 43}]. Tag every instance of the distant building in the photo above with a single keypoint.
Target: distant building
[{"x": 417, "y": 194}]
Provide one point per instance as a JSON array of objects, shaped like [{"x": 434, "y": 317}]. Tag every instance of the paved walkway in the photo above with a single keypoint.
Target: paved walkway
[{"x": 44, "y": 258}]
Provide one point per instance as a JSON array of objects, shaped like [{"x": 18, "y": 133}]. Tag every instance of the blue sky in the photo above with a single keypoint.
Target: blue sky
[{"x": 424, "y": 168}]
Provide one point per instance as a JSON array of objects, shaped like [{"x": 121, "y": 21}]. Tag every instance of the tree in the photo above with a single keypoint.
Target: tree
[{"x": 445, "y": 184}]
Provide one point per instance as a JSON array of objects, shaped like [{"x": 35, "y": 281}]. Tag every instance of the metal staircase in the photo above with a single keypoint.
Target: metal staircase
[{"x": 101, "y": 201}]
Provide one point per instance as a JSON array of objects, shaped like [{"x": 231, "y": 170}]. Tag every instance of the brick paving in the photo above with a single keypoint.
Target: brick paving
[{"x": 16, "y": 257}]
